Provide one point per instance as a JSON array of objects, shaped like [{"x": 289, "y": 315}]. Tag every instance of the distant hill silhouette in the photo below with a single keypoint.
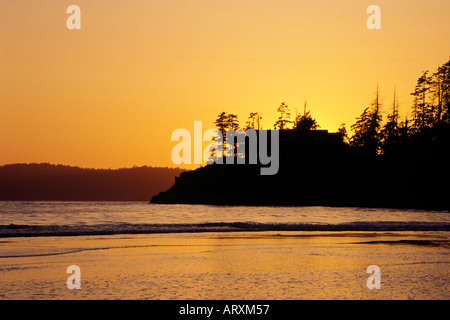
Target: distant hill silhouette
[{"x": 65, "y": 183}]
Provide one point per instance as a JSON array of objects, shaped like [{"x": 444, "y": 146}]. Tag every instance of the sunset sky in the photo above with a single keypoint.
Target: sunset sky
[{"x": 110, "y": 95}]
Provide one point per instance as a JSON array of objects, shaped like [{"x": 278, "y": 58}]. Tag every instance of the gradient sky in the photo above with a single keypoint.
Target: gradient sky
[{"x": 110, "y": 95}]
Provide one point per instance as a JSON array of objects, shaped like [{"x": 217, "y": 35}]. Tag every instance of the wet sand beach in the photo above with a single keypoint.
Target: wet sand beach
[{"x": 258, "y": 265}]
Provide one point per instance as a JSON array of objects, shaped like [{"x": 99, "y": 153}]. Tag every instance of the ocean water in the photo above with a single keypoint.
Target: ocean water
[
  {"x": 130, "y": 250},
  {"x": 21, "y": 219}
]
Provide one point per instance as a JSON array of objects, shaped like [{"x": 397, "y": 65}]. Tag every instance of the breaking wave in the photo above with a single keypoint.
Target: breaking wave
[{"x": 16, "y": 230}]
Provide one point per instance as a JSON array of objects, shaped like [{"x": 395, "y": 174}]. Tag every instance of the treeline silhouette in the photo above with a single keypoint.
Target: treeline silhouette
[
  {"x": 48, "y": 182},
  {"x": 427, "y": 126},
  {"x": 395, "y": 162}
]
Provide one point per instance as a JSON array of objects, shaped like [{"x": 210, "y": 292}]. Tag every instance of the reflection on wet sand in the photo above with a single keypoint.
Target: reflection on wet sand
[{"x": 265, "y": 265}]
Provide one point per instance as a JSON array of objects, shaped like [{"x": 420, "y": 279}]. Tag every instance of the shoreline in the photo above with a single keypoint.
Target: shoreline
[
  {"x": 216, "y": 266},
  {"x": 25, "y": 231}
]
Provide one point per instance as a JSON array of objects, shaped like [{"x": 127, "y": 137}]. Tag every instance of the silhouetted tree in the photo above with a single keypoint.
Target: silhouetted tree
[
  {"x": 440, "y": 84},
  {"x": 222, "y": 123},
  {"x": 226, "y": 121},
  {"x": 404, "y": 131},
  {"x": 343, "y": 131},
  {"x": 232, "y": 121},
  {"x": 390, "y": 131},
  {"x": 422, "y": 111},
  {"x": 305, "y": 122},
  {"x": 283, "y": 119},
  {"x": 233, "y": 124},
  {"x": 367, "y": 129},
  {"x": 253, "y": 121}
]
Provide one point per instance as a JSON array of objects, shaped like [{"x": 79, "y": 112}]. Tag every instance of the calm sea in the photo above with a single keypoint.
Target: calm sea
[
  {"x": 131, "y": 250},
  {"x": 21, "y": 219}
]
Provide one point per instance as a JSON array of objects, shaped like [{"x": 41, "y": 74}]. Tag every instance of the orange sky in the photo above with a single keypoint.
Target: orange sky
[{"x": 110, "y": 95}]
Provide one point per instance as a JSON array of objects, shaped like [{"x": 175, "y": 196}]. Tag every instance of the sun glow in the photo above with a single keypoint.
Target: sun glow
[{"x": 110, "y": 93}]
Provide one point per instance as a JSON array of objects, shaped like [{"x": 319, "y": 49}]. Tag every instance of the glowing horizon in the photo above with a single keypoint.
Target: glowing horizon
[{"x": 110, "y": 95}]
